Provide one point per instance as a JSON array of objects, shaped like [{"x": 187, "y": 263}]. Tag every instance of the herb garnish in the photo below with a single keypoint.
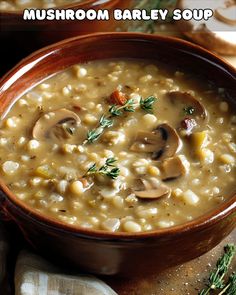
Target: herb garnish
[
  {"x": 106, "y": 169},
  {"x": 94, "y": 134},
  {"x": 189, "y": 110},
  {"x": 147, "y": 103},
  {"x": 216, "y": 278},
  {"x": 106, "y": 120},
  {"x": 127, "y": 107}
]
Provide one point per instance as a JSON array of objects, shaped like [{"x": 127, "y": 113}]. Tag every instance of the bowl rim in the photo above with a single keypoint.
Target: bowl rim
[
  {"x": 79, "y": 5},
  {"x": 209, "y": 218}
]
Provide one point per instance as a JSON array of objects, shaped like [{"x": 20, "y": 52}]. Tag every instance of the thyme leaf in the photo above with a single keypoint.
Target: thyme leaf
[
  {"x": 94, "y": 134},
  {"x": 127, "y": 107},
  {"x": 108, "y": 169},
  {"x": 230, "y": 288},
  {"x": 147, "y": 104},
  {"x": 189, "y": 110}
]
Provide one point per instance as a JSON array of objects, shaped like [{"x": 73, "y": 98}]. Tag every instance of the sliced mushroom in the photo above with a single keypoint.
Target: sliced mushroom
[
  {"x": 172, "y": 140},
  {"x": 147, "y": 142},
  {"x": 185, "y": 100},
  {"x": 174, "y": 167},
  {"x": 226, "y": 15},
  {"x": 216, "y": 33},
  {"x": 58, "y": 123},
  {"x": 163, "y": 142},
  {"x": 146, "y": 190}
]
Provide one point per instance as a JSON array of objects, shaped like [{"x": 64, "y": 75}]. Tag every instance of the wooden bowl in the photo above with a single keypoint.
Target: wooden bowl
[{"x": 100, "y": 252}]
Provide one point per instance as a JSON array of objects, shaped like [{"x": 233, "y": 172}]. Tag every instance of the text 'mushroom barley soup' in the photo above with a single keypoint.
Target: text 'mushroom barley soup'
[{"x": 120, "y": 145}]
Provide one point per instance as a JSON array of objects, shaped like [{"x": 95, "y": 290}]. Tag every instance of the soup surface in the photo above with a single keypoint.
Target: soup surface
[
  {"x": 26, "y": 4},
  {"x": 120, "y": 145}
]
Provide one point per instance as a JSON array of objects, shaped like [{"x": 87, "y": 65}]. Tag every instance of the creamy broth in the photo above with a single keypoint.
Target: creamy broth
[
  {"x": 166, "y": 154},
  {"x": 14, "y": 5}
]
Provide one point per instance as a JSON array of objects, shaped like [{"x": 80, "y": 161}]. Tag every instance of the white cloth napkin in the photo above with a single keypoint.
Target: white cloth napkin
[{"x": 36, "y": 276}]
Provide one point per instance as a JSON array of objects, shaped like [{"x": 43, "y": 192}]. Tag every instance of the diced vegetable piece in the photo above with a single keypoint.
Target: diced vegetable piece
[
  {"x": 77, "y": 108},
  {"x": 44, "y": 171},
  {"x": 117, "y": 97},
  {"x": 175, "y": 167},
  {"x": 188, "y": 124},
  {"x": 199, "y": 139}
]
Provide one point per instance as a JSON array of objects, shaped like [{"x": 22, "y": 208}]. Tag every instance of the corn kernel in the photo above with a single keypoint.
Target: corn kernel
[
  {"x": 77, "y": 187},
  {"x": 227, "y": 159},
  {"x": 153, "y": 171},
  {"x": 44, "y": 171}
]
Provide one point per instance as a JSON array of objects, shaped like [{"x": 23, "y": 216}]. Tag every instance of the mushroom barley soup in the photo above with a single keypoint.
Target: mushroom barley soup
[
  {"x": 120, "y": 145},
  {"x": 15, "y": 5}
]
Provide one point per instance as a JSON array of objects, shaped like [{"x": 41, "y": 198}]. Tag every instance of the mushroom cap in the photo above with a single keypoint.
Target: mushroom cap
[
  {"x": 162, "y": 142},
  {"x": 214, "y": 34},
  {"x": 146, "y": 190},
  {"x": 147, "y": 142},
  {"x": 46, "y": 122},
  {"x": 226, "y": 14},
  {"x": 186, "y": 100}
]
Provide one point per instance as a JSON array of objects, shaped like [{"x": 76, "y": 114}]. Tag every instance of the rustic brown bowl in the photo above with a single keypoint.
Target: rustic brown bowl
[{"x": 118, "y": 253}]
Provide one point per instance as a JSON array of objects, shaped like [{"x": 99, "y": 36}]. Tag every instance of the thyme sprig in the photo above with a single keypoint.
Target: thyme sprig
[
  {"x": 216, "y": 278},
  {"x": 94, "y": 134},
  {"x": 106, "y": 120},
  {"x": 108, "y": 169}
]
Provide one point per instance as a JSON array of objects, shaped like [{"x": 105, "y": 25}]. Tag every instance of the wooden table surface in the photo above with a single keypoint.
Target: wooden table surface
[{"x": 186, "y": 279}]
